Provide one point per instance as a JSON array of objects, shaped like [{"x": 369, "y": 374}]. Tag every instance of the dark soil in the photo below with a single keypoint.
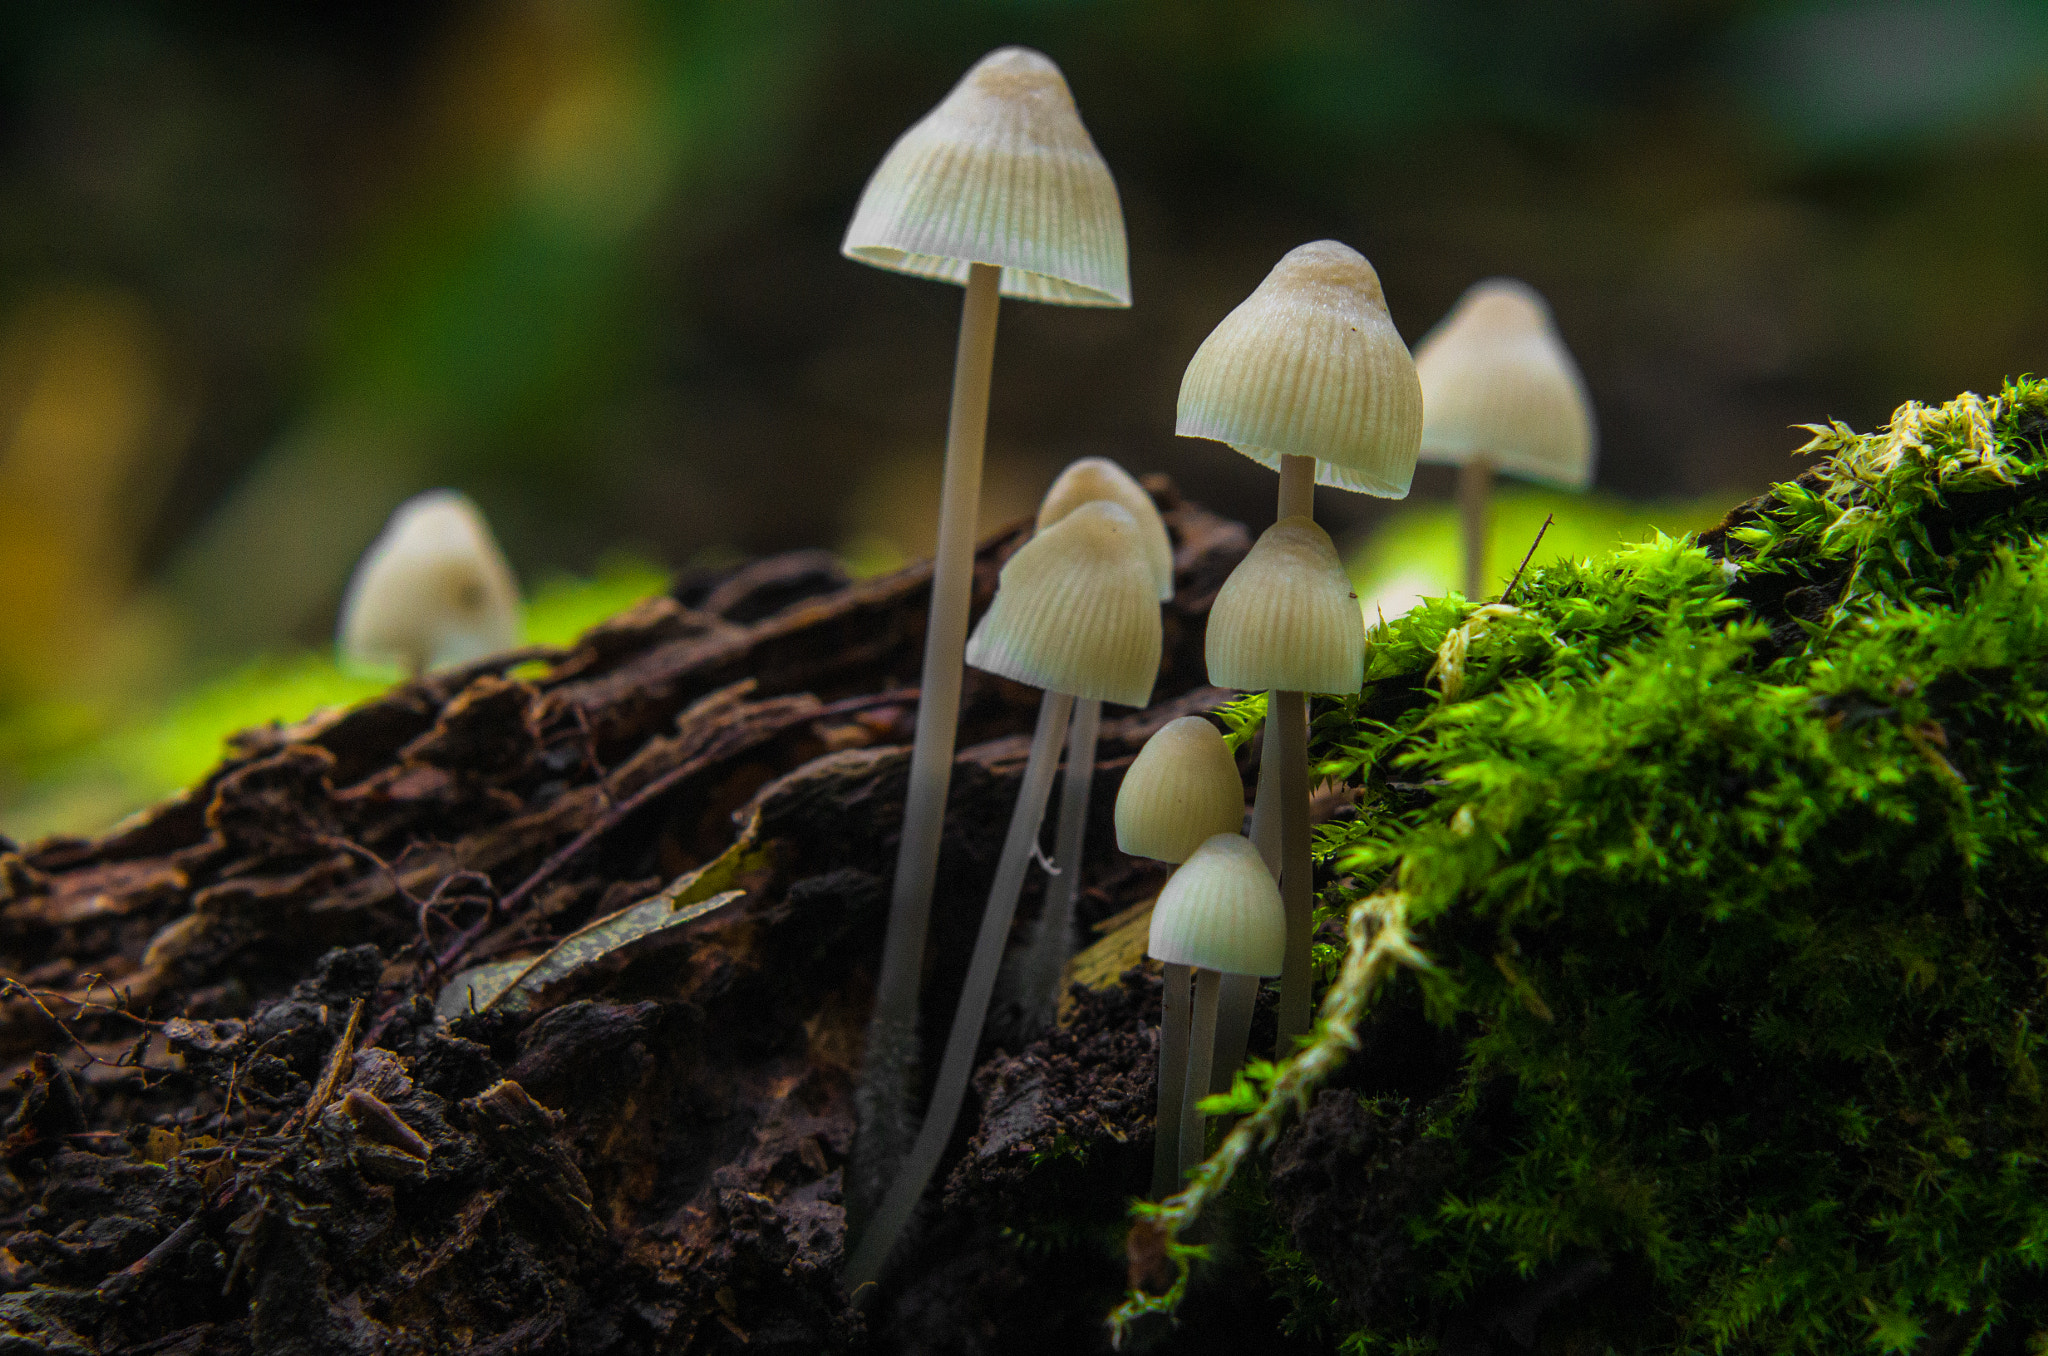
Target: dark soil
[{"x": 238, "y": 1124}]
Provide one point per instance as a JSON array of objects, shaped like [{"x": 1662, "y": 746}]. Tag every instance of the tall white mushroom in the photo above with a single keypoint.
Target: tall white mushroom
[
  {"x": 1309, "y": 376},
  {"x": 1000, "y": 188},
  {"x": 1077, "y": 614},
  {"x": 1500, "y": 392},
  {"x": 433, "y": 590}
]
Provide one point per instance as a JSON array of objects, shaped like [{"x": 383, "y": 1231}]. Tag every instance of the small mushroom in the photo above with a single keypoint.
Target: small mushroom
[
  {"x": 1181, "y": 791},
  {"x": 432, "y": 590},
  {"x": 1219, "y": 915},
  {"x": 1000, "y": 188},
  {"x": 1088, "y": 480},
  {"x": 1500, "y": 392},
  {"x": 1076, "y": 613}
]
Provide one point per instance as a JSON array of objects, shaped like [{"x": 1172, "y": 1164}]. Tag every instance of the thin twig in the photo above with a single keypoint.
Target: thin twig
[
  {"x": 1548, "y": 518},
  {"x": 337, "y": 1065}
]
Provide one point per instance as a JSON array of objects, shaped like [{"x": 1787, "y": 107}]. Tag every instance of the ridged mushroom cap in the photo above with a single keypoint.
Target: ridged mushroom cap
[
  {"x": 432, "y": 590},
  {"x": 1181, "y": 791},
  {"x": 1001, "y": 172},
  {"x": 1221, "y": 911},
  {"x": 1287, "y": 620},
  {"x": 1310, "y": 365},
  {"x": 1076, "y": 611},
  {"x": 1094, "y": 478},
  {"x": 1498, "y": 381}
]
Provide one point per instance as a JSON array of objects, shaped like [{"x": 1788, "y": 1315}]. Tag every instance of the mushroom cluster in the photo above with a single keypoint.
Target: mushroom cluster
[{"x": 1001, "y": 189}]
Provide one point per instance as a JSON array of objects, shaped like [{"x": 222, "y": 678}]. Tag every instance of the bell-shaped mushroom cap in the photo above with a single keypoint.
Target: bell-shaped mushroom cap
[
  {"x": 1076, "y": 611},
  {"x": 432, "y": 590},
  {"x": 1094, "y": 478},
  {"x": 1181, "y": 791},
  {"x": 1001, "y": 172},
  {"x": 1287, "y": 620},
  {"x": 1310, "y": 365},
  {"x": 1221, "y": 911},
  {"x": 1498, "y": 382}
]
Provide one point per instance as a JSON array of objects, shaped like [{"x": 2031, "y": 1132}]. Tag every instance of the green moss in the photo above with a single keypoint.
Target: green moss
[{"x": 1727, "y": 858}]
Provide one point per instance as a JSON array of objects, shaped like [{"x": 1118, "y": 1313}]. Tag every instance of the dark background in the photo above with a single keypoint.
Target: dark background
[{"x": 265, "y": 270}]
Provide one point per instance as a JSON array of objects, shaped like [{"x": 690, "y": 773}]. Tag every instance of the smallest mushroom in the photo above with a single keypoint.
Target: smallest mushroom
[
  {"x": 1219, "y": 915},
  {"x": 1182, "y": 790},
  {"x": 432, "y": 591}
]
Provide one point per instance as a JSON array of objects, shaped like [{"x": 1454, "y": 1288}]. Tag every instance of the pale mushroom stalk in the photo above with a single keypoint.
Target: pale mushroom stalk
[
  {"x": 1174, "y": 1016},
  {"x": 998, "y": 187},
  {"x": 1240, "y": 999},
  {"x": 1287, "y": 720},
  {"x": 1475, "y": 494},
  {"x": 1289, "y": 714},
  {"x": 1053, "y": 939},
  {"x": 871, "y": 1253},
  {"x": 1194, "y": 1142},
  {"x": 893, "y": 1027}
]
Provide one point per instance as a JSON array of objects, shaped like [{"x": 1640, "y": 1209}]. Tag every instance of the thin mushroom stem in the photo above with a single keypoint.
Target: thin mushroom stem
[
  {"x": 1046, "y": 960},
  {"x": 1234, "y": 1008},
  {"x": 1287, "y": 716},
  {"x": 1201, "y": 1040},
  {"x": 1297, "y": 487},
  {"x": 1175, "y": 1013},
  {"x": 888, "y": 1072},
  {"x": 1240, "y": 998},
  {"x": 950, "y": 1089},
  {"x": 1290, "y": 711},
  {"x": 1475, "y": 493}
]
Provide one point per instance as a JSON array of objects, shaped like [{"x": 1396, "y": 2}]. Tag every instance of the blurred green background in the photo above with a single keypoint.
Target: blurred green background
[{"x": 267, "y": 270}]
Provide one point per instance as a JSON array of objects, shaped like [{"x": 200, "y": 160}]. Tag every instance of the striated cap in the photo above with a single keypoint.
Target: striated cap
[
  {"x": 431, "y": 591},
  {"x": 1100, "y": 478},
  {"x": 1181, "y": 790},
  {"x": 1001, "y": 172},
  {"x": 1310, "y": 365},
  {"x": 1287, "y": 620},
  {"x": 1497, "y": 381},
  {"x": 1221, "y": 911},
  {"x": 1076, "y": 611}
]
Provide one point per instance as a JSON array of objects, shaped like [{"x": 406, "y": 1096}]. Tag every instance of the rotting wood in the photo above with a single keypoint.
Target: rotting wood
[{"x": 655, "y": 1144}]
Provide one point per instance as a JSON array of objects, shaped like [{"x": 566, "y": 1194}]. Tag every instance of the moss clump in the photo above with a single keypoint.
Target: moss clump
[{"x": 1726, "y": 859}]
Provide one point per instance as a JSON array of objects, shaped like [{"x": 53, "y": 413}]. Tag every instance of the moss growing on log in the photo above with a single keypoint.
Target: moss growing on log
[{"x": 1724, "y": 861}]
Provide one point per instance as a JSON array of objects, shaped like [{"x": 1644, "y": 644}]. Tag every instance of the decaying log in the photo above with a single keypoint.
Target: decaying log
[{"x": 282, "y": 1147}]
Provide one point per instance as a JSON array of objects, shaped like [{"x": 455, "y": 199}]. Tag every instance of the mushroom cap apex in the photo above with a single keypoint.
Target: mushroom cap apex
[
  {"x": 433, "y": 590},
  {"x": 1000, "y": 172},
  {"x": 1310, "y": 365}
]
